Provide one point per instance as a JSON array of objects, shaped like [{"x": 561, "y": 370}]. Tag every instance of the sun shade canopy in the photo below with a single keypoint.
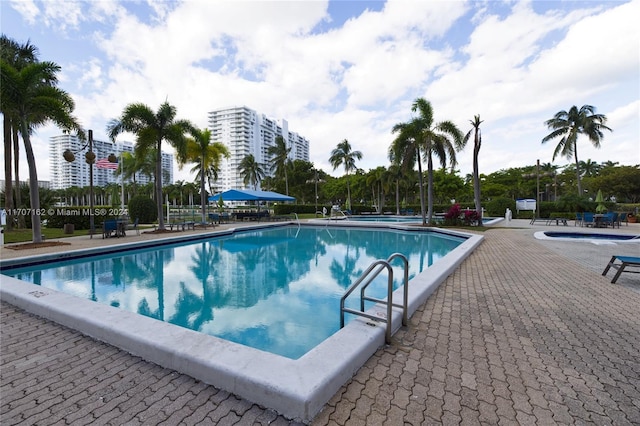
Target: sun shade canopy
[{"x": 250, "y": 195}]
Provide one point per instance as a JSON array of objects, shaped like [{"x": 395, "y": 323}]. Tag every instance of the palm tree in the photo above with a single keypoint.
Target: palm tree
[
  {"x": 405, "y": 150},
  {"x": 569, "y": 125},
  {"x": 343, "y": 155},
  {"x": 280, "y": 160},
  {"x": 207, "y": 156},
  {"x": 477, "y": 142},
  {"x": 30, "y": 97},
  {"x": 151, "y": 129},
  {"x": 251, "y": 171},
  {"x": 17, "y": 56},
  {"x": 422, "y": 135},
  {"x": 589, "y": 168}
]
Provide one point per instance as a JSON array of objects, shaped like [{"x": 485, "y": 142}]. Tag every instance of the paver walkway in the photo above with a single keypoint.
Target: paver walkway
[{"x": 519, "y": 334}]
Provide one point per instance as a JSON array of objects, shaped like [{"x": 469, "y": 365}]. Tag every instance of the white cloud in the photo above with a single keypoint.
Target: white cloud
[{"x": 506, "y": 61}]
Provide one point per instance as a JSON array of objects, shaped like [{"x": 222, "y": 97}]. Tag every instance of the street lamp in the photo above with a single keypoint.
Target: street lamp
[
  {"x": 90, "y": 158},
  {"x": 113, "y": 159}
]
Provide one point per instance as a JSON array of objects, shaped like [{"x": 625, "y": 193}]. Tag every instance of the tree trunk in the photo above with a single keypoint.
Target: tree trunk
[
  {"x": 575, "y": 152},
  {"x": 476, "y": 178},
  {"x": 159, "y": 187},
  {"x": 16, "y": 185},
  {"x": 203, "y": 197},
  {"x": 430, "y": 188},
  {"x": 423, "y": 211},
  {"x": 8, "y": 176},
  {"x": 36, "y": 228}
]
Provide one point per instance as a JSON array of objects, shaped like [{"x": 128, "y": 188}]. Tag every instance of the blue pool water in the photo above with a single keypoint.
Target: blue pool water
[
  {"x": 274, "y": 289},
  {"x": 588, "y": 236}
]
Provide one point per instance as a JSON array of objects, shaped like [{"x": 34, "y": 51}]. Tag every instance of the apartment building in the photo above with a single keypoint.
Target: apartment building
[
  {"x": 76, "y": 173},
  {"x": 244, "y": 132}
]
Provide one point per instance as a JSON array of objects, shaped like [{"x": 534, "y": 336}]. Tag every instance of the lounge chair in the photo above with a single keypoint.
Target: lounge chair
[
  {"x": 625, "y": 261},
  {"x": 578, "y": 219}
]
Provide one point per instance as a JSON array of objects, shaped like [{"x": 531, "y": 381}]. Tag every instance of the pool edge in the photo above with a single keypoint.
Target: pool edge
[{"x": 291, "y": 387}]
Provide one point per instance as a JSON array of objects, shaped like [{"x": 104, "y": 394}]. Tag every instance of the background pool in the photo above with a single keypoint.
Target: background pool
[{"x": 274, "y": 289}]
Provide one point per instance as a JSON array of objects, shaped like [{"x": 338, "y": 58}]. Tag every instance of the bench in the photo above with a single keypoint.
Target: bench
[{"x": 625, "y": 262}]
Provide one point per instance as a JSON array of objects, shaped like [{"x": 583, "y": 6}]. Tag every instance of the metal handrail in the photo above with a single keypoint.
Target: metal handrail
[
  {"x": 405, "y": 289},
  {"x": 370, "y": 274}
]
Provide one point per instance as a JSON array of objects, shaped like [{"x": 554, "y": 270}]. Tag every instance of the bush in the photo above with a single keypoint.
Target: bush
[{"x": 143, "y": 208}]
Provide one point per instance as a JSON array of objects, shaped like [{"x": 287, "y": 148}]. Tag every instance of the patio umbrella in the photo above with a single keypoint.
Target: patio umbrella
[{"x": 600, "y": 208}]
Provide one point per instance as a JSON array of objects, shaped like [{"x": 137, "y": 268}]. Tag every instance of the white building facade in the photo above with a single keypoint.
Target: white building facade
[
  {"x": 76, "y": 173},
  {"x": 244, "y": 131}
]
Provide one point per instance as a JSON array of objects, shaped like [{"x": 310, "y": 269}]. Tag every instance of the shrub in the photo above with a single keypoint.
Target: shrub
[
  {"x": 143, "y": 208},
  {"x": 452, "y": 217}
]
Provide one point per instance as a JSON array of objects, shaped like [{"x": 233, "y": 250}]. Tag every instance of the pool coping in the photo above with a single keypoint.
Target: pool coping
[{"x": 297, "y": 389}]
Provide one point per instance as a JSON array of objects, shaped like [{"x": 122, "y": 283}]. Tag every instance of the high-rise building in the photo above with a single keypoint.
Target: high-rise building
[
  {"x": 245, "y": 131},
  {"x": 76, "y": 173}
]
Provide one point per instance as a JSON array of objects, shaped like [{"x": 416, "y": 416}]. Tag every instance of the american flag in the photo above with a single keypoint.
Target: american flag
[{"x": 106, "y": 164}]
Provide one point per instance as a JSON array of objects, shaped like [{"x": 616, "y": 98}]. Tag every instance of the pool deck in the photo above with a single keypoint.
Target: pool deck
[{"x": 525, "y": 331}]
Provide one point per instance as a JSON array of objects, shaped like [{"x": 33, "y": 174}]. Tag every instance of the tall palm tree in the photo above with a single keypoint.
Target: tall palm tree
[
  {"x": 207, "y": 156},
  {"x": 151, "y": 129},
  {"x": 343, "y": 155},
  {"x": 568, "y": 125},
  {"x": 477, "y": 142},
  {"x": 30, "y": 97},
  {"x": 280, "y": 160},
  {"x": 405, "y": 150},
  {"x": 18, "y": 56},
  {"x": 428, "y": 138},
  {"x": 251, "y": 171}
]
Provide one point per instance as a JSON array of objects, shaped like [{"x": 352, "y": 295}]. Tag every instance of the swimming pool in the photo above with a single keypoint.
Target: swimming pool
[
  {"x": 275, "y": 289},
  {"x": 295, "y": 388},
  {"x": 400, "y": 219},
  {"x": 592, "y": 237}
]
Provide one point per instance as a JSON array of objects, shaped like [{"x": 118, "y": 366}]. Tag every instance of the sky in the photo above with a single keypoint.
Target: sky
[{"x": 350, "y": 70}]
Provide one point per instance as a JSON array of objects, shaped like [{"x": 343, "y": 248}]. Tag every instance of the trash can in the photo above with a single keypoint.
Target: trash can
[{"x": 69, "y": 228}]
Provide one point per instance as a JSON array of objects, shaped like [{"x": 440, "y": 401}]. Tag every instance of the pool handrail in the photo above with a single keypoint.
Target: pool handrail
[{"x": 371, "y": 273}]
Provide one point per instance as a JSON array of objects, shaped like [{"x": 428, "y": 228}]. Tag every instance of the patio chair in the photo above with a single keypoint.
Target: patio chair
[
  {"x": 623, "y": 218},
  {"x": 579, "y": 218},
  {"x": 625, "y": 262},
  {"x": 588, "y": 219},
  {"x": 109, "y": 228},
  {"x": 615, "y": 219},
  {"x": 134, "y": 226}
]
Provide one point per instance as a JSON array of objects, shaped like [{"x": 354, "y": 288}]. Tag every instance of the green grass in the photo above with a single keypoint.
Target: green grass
[{"x": 25, "y": 235}]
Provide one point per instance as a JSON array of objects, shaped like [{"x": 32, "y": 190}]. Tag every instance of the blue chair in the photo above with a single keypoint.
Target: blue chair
[
  {"x": 579, "y": 219},
  {"x": 109, "y": 228},
  {"x": 625, "y": 262},
  {"x": 588, "y": 219}
]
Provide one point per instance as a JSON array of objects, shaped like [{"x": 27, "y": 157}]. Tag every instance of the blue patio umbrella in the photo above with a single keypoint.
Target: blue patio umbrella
[{"x": 250, "y": 195}]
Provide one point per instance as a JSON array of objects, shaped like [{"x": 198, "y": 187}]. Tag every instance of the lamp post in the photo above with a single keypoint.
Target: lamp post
[
  {"x": 90, "y": 158},
  {"x": 113, "y": 159}
]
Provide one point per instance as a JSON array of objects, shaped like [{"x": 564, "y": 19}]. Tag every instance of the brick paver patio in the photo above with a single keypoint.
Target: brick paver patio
[{"x": 524, "y": 332}]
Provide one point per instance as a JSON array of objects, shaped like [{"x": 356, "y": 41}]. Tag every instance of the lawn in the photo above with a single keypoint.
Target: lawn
[{"x": 25, "y": 235}]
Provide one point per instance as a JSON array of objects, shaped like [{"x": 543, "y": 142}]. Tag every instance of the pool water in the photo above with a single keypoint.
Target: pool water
[
  {"x": 591, "y": 236},
  {"x": 275, "y": 289}
]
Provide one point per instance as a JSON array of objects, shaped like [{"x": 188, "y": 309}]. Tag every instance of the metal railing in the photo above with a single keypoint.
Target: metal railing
[{"x": 367, "y": 278}]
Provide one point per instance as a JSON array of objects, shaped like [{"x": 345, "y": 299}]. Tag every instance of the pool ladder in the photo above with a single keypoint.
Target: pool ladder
[{"x": 367, "y": 278}]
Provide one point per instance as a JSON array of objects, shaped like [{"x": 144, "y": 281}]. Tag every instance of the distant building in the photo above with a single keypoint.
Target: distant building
[
  {"x": 245, "y": 131},
  {"x": 41, "y": 184},
  {"x": 76, "y": 173}
]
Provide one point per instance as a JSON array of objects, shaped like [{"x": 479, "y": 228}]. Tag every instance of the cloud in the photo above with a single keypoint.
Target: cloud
[{"x": 354, "y": 76}]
